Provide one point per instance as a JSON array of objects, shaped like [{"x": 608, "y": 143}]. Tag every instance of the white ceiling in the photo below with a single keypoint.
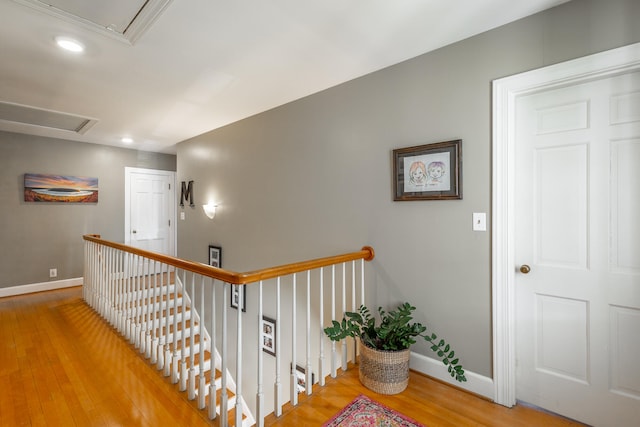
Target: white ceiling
[{"x": 203, "y": 64}]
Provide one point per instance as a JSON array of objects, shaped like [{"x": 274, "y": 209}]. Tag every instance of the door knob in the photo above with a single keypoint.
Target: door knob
[
  {"x": 134, "y": 231},
  {"x": 525, "y": 269}
]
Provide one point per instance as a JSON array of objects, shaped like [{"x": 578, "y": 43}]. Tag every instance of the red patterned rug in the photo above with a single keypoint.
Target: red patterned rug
[{"x": 366, "y": 412}]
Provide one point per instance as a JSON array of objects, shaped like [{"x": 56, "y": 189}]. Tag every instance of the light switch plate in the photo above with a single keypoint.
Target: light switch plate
[
  {"x": 479, "y": 221},
  {"x": 182, "y": 216}
]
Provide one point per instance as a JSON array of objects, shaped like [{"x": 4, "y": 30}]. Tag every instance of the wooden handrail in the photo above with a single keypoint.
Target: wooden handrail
[{"x": 367, "y": 253}]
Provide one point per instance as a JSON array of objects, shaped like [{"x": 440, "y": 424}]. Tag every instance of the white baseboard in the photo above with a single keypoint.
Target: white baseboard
[
  {"x": 39, "y": 287},
  {"x": 475, "y": 383}
]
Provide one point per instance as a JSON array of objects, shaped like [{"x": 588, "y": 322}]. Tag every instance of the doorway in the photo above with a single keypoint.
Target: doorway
[
  {"x": 150, "y": 213},
  {"x": 594, "y": 370}
]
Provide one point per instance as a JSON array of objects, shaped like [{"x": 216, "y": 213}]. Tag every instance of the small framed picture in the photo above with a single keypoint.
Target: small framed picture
[
  {"x": 301, "y": 378},
  {"x": 239, "y": 297},
  {"x": 215, "y": 256},
  {"x": 268, "y": 335},
  {"x": 428, "y": 172}
]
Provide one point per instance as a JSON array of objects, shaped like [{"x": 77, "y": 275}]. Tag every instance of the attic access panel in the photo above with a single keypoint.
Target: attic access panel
[
  {"x": 125, "y": 20},
  {"x": 33, "y": 117}
]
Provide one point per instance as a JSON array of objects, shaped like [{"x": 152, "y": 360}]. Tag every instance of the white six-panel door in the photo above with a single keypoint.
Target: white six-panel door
[
  {"x": 577, "y": 228},
  {"x": 150, "y": 210}
]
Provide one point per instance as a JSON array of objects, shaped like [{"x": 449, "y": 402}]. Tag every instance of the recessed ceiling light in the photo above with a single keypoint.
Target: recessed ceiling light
[
  {"x": 126, "y": 140},
  {"x": 69, "y": 44}
]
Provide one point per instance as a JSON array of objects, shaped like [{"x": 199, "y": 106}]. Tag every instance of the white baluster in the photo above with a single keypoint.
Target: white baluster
[
  {"x": 115, "y": 320},
  {"x": 308, "y": 372},
  {"x": 137, "y": 296},
  {"x": 239, "y": 355},
  {"x": 321, "y": 356},
  {"x": 95, "y": 277},
  {"x": 278, "y": 383},
  {"x": 201, "y": 328},
  {"x": 151, "y": 308},
  {"x": 106, "y": 301},
  {"x": 192, "y": 342},
  {"x": 86, "y": 271},
  {"x": 168, "y": 360},
  {"x": 183, "y": 334},
  {"x": 259, "y": 393},
  {"x": 334, "y": 355},
  {"x": 88, "y": 268},
  {"x": 144, "y": 285},
  {"x": 224, "y": 399},
  {"x": 212, "y": 350},
  {"x": 353, "y": 286},
  {"x": 174, "y": 354},
  {"x": 118, "y": 294},
  {"x": 163, "y": 326},
  {"x": 101, "y": 286},
  {"x": 362, "y": 302},
  {"x": 132, "y": 297},
  {"x": 294, "y": 379},
  {"x": 153, "y": 354},
  {"x": 344, "y": 309},
  {"x": 112, "y": 286},
  {"x": 102, "y": 283},
  {"x": 98, "y": 282},
  {"x": 353, "y": 303},
  {"x": 130, "y": 305}
]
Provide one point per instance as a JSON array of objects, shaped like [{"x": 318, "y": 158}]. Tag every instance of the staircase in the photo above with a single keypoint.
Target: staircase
[
  {"x": 154, "y": 312},
  {"x": 157, "y": 302}
]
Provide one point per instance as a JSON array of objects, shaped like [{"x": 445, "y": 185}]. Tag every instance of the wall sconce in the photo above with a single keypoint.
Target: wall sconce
[{"x": 210, "y": 209}]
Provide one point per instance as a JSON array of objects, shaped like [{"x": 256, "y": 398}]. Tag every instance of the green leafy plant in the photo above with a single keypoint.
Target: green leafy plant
[{"x": 395, "y": 332}]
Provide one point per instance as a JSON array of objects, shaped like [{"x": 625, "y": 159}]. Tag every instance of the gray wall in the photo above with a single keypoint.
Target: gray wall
[
  {"x": 35, "y": 237},
  {"x": 313, "y": 177}
]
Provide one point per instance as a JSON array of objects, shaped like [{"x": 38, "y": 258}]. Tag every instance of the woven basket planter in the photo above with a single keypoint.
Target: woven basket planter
[{"x": 385, "y": 372}]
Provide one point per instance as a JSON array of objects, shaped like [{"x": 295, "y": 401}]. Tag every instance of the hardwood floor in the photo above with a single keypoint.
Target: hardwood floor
[
  {"x": 427, "y": 401},
  {"x": 63, "y": 365}
]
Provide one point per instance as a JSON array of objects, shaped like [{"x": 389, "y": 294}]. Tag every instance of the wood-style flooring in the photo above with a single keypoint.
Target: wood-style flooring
[
  {"x": 426, "y": 400},
  {"x": 61, "y": 364}
]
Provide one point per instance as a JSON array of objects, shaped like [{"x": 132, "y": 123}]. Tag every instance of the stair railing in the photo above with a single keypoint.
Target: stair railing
[{"x": 177, "y": 313}]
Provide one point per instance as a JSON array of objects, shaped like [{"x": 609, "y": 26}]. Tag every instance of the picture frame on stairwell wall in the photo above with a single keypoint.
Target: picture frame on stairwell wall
[
  {"x": 268, "y": 333},
  {"x": 239, "y": 297},
  {"x": 428, "y": 172},
  {"x": 301, "y": 379},
  {"x": 215, "y": 256}
]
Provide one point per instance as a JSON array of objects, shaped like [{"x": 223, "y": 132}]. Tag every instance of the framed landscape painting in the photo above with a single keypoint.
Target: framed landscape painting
[{"x": 60, "y": 188}]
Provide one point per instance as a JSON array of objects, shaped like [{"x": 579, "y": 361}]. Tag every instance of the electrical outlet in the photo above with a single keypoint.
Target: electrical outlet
[{"x": 53, "y": 272}]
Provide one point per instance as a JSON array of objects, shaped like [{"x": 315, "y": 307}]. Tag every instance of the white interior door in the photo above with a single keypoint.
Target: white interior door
[
  {"x": 577, "y": 227},
  {"x": 150, "y": 210}
]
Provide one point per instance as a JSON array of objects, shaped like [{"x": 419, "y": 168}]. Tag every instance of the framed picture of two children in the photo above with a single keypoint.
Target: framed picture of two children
[{"x": 428, "y": 172}]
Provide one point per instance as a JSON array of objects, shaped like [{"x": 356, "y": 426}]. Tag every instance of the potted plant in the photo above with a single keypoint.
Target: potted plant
[{"x": 384, "y": 353}]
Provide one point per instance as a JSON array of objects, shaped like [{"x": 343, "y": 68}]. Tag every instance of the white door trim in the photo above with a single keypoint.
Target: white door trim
[
  {"x": 127, "y": 204},
  {"x": 505, "y": 92}
]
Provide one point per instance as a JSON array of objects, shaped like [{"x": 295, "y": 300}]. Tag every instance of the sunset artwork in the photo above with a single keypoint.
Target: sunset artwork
[{"x": 60, "y": 188}]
